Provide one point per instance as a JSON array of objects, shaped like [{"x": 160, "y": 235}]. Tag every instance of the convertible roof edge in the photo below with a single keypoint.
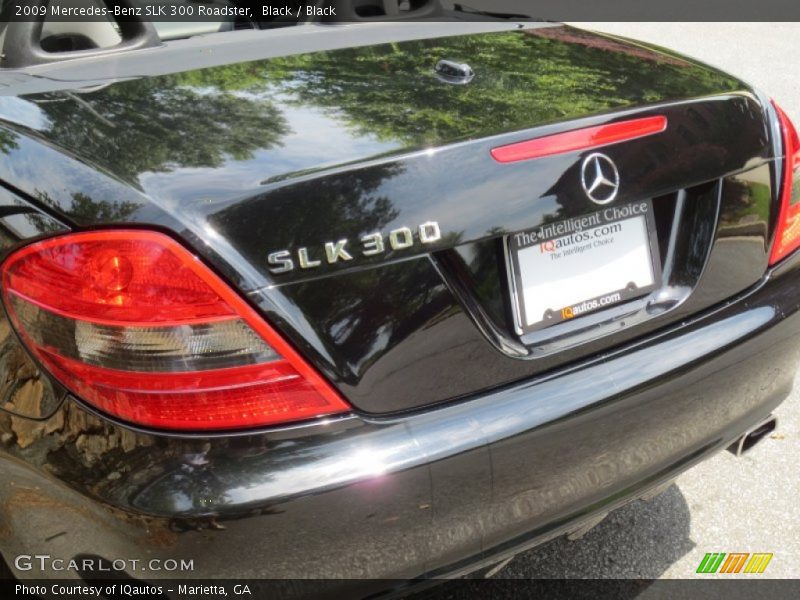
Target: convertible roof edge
[{"x": 223, "y": 48}]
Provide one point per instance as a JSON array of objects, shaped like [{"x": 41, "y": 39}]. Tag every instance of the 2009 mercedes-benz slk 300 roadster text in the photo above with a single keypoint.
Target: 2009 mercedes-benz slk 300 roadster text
[{"x": 398, "y": 303}]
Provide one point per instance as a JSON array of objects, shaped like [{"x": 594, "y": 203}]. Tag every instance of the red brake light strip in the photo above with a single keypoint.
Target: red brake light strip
[{"x": 580, "y": 139}]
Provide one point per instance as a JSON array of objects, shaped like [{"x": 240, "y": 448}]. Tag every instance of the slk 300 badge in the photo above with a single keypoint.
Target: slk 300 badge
[{"x": 372, "y": 244}]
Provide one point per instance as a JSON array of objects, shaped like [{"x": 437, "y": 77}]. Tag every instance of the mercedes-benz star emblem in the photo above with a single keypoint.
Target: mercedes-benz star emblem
[{"x": 600, "y": 178}]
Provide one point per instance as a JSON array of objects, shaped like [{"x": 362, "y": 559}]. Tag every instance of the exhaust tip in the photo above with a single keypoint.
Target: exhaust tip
[{"x": 753, "y": 436}]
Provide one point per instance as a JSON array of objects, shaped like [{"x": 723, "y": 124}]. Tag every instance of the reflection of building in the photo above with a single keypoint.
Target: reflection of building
[{"x": 590, "y": 40}]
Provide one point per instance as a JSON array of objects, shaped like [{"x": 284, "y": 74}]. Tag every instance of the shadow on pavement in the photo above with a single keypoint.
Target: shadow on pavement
[{"x": 638, "y": 541}]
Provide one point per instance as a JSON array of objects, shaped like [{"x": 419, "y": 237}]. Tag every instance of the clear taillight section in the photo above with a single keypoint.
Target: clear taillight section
[
  {"x": 787, "y": 235},
  {"x": 135, "y": 325}
]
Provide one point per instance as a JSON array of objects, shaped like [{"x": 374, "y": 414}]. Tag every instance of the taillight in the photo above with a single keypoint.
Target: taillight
[
  {"x": 787, "y": 235},
  {"x": 135, "y": 325}
]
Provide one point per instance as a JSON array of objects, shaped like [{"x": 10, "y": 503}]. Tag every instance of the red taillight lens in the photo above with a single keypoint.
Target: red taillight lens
[
  {"x": 787, "y": 234},
  {"x": 135, "y": 325}
]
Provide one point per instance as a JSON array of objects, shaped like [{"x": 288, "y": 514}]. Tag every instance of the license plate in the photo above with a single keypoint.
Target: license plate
[{"x": 566, "y": 269}]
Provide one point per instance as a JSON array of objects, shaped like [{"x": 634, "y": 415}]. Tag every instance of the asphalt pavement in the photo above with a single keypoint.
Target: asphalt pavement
[{"x": 727, "y": 504}]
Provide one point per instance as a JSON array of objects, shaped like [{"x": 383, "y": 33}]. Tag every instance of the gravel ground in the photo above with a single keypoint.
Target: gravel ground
[{"x": 726, "y": 504}]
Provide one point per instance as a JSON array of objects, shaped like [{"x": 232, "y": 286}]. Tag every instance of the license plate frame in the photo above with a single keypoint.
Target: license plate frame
[{"x": 638, "y": 234}]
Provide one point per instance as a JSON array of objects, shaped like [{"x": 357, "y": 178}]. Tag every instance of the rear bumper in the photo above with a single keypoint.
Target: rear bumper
[{"x": 432, "y": 493}]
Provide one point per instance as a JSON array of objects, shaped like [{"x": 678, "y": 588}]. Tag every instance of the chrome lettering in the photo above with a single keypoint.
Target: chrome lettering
[
  {"x": 282, "y": 258},
  {"x": 305, "y": 263},
  {"x": 400, "y": 243},
  {"x": 336, "y": 251},
  {"x": 429, "y": 232},
  {"x": 373, "y": 244}
]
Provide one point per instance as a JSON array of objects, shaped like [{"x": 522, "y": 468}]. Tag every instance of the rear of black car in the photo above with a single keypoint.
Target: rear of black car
[{"x": 299, "y": 316}]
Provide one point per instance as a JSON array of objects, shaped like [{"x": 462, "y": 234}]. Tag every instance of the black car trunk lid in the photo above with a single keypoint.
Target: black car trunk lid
[{"x": 353, "y": 195}]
